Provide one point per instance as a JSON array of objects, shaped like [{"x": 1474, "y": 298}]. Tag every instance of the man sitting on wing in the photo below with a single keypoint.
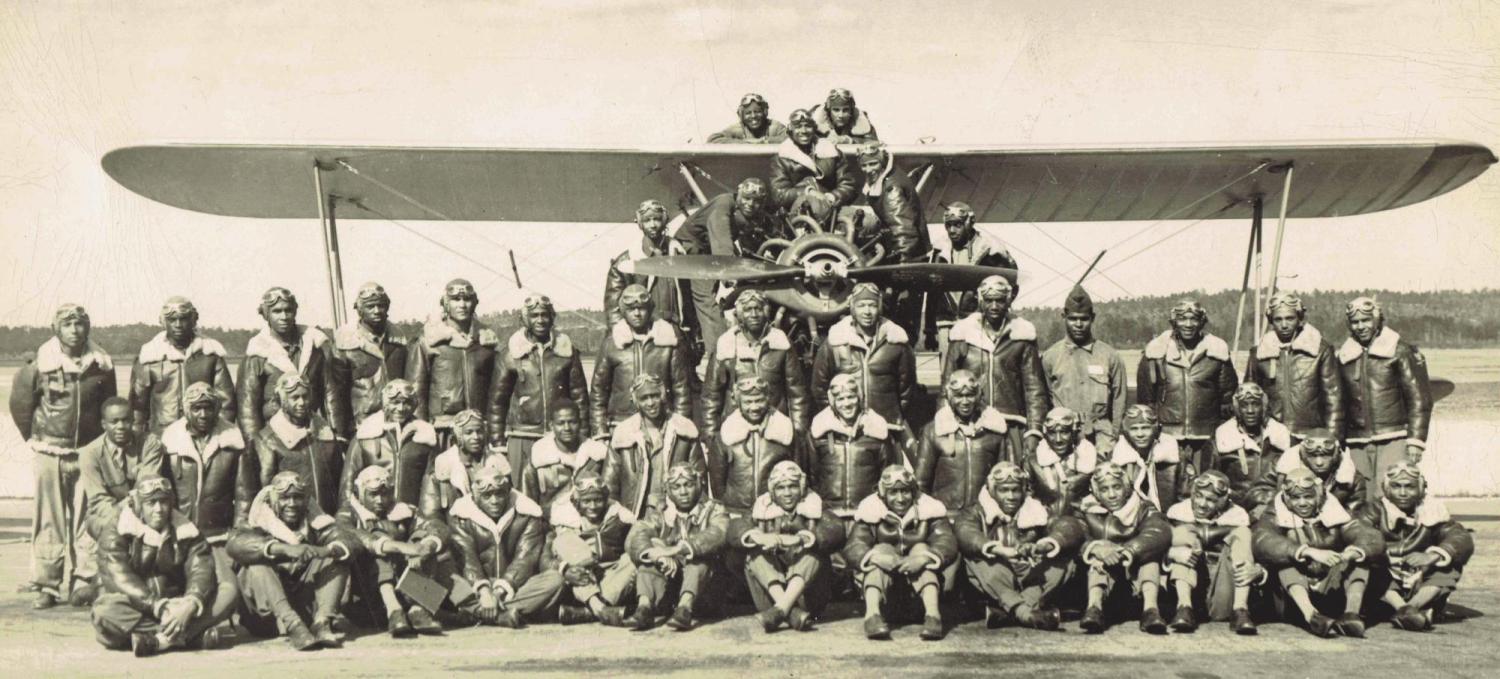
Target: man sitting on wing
[
  {"x": 755, "y": 125},
  {"x": 839, "y": 121},
  {"x": 810, "y": 174}
]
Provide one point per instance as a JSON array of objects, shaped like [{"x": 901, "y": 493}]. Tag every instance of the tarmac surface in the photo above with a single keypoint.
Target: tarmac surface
[{"x": 59, "y": 642}]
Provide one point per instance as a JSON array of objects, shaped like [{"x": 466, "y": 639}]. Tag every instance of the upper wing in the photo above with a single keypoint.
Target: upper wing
[{"x": 1003, "y": 184}]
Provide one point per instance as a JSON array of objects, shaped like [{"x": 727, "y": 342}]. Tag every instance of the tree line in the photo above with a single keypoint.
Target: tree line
[{"x": 1443, "y": 319}]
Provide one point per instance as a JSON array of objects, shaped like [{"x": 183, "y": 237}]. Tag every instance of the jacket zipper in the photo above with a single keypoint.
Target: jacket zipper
[
  {"x": 1364, "y": 381},
  {"x": 541, "y": 367}
]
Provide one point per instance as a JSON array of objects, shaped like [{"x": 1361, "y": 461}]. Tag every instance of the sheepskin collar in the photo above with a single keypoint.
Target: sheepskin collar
[
  {"x": 1083, "y": 460},
  {"x": 843, "y": 334},
  {"x": 1127, "y": 514},
  {"x": 50, "y": 357},
  {"x": 776, "y": 428},
  {"x": 464, "y": 508},
  {"x": 159, "y": 348},
  {"x": 292, "y": 435},
  {"x": 264, "y": 517},
  {"x": 545, "y": 453},
  {"x": 627, "y": 434},
  {"x": 643, "y": 248},
  {"x": 177, "y": 440},
  {"x": 1429, "y": 513},
  {"x": 1331, "y": 515},
  {"x": 354, "y": 335},
  {"x": 875, "y": 185},
  {"x": 660, "y": 333},
  {"x": 520, "y": 345},
  {"x": 869, "y": 423},
  {"x": 131, "y": 524},
  {"x": 1343, "y": 474},
  {"x": 872, "y": 509},
  {"x": 1308, "y": 342},
  {"x": 980, "y": 245},
  {"x": 419, "y": 431},
  {"x": 565, "y": 515},
  {"x": 822, "y": 149},
  {"x": 400, "y": 511},
  {"x": 1234, "y": 516},
  {"x": 946, "y": 423},
  {"x": 264, "y": 344},
  {"x": 734, "y": 344},
  {"x": 970, "y": 329},
  {"x": 1032, "y": 514},
  {"x": 449, "y": 466},
  {"x": 1165, "y": 346},
  {"x": 436, "y": 332},
  {"x": 859, "y": 128},
  {"x": 809, "y": 507},
  {"x": 696, "y": 515},
  {"x": 1383, "y": 346},
  {"x": 1230, "y": 437},
  {"x": 1164, "y": 451}
]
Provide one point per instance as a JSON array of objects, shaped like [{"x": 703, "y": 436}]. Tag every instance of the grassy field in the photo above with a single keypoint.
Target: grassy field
[{"x": 1465, "y": 437}]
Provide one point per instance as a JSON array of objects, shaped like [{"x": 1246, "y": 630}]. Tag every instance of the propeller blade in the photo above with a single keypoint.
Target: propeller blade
[
  {"x": 710, "y": 268},
  {"x": 930, "y": 276}
]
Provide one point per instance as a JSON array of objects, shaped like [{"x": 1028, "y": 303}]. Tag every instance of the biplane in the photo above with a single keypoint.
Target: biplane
[{"x": 1002, "y": 183}]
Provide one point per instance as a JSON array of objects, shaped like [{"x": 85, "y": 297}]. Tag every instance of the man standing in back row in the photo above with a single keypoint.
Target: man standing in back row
[
  {"x": 1388, "y": 400},
  {"x": 1087, "y": 375}
]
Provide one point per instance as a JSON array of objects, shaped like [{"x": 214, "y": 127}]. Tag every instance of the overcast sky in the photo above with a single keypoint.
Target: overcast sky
[{"x": 78, "y": 79}]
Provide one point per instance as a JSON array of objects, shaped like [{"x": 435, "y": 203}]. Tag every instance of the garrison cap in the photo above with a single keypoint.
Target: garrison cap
[{"x": 1078, "y": 302}]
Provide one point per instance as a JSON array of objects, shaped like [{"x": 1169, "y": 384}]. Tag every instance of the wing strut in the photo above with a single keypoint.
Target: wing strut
[
  {"x": 1286, "y": 192},
  {"x": 329, "y": 226},
  {"x": 1256, "y": 206},
  {"x": 693, "y": 183}
]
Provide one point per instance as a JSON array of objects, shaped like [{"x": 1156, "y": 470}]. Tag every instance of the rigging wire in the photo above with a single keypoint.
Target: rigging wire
[{"x": 1168, "y": 217}]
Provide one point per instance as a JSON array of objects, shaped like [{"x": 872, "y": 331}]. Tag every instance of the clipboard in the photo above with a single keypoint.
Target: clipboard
[{"x": 423, "y": 590}]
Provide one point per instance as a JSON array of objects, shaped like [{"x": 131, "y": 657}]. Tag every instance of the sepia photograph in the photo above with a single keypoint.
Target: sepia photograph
[{"x": 722, "y": 338}]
